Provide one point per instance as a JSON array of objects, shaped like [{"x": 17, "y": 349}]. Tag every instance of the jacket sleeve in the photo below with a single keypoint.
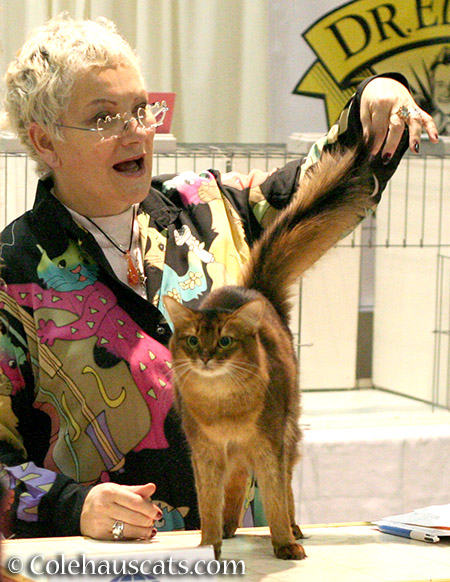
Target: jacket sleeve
[
  {"x": 268, "y": 192},
  {"x": 41, "y": 502}
]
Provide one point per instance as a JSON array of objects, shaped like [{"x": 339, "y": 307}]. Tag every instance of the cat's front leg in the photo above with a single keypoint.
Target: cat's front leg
[
  {"x": 234, "y": 500},
  {"x": 209, "y": 470},
  {"x": 271, "y": 474}
]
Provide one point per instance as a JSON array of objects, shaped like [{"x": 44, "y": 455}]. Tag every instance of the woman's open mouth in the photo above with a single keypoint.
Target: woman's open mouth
[{"x": 130, "y": 167}]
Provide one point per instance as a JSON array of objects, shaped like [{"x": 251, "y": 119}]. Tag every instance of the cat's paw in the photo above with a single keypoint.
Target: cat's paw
[
  {"x": 290, "y": 552},
  {"x": 229, "y": 530},
  {"x": 217, "y": 547},
  {"x": 297, "y": 532},
  {"x": 217, "y": 551}
]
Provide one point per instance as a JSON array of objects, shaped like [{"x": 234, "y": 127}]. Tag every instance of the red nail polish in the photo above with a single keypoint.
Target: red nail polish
[
  {"x": 153, "y": 533},
  {"x": 416, "y": 147},
  {"x": 387, "y": 158}
]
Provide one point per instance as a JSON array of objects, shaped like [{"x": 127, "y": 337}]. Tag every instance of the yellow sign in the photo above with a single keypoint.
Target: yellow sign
[{"x": 366, "y": 37}]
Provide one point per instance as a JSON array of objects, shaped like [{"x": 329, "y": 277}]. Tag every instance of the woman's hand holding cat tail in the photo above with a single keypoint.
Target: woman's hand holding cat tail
[
  {"x": 107, "y": 503},
  {"x": 382, "y": 103}
]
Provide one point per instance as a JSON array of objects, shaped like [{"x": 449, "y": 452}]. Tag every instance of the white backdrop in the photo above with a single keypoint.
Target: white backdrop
[
  {"x": 212, "y": 53},
  {"x": 289, "y": 58}
]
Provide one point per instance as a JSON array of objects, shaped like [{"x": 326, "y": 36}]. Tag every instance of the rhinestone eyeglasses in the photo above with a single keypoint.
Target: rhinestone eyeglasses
[{"x": 149, "y": 117}]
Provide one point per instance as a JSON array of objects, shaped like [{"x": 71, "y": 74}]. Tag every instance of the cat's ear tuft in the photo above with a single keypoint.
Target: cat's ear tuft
[
  {"x": 251, "y": 314},
  {"x": 179, "y": 314}
]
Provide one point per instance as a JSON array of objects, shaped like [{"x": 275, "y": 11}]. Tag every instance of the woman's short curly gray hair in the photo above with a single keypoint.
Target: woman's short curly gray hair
[{"x": 40, "y": 80}]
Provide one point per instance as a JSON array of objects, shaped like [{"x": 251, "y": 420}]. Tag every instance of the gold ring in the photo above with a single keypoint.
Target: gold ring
[{"x": 117, "y": 530}]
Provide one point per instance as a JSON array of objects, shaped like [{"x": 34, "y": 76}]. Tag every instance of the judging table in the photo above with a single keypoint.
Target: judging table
[{"x": 335, "y": 553}]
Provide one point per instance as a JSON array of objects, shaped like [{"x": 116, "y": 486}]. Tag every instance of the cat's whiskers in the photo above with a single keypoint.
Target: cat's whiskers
[
  {"x": 239, "y": 374},
  {"x": 182, "y": 369},
  {"x": 243, "y": 373},
  {"x": 248, "y": 367}
]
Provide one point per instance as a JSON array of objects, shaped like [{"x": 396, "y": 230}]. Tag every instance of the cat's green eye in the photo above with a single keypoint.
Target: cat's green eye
[
  {"x": 192, "y": 341},
  {"x": 226, "y": 342}
]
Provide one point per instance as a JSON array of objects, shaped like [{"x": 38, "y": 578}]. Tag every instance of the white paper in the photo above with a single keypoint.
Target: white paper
[{"x": 435, "y": 519}]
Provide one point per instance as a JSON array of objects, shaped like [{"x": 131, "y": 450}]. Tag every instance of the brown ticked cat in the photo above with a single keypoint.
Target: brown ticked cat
[{"x": 234, "y": 364}]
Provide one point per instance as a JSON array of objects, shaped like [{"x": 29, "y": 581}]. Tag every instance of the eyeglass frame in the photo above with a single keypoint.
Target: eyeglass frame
[{"x": 162, "y": 105}]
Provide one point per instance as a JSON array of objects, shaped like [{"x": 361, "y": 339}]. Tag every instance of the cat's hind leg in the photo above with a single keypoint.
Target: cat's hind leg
[
  {"x": 296, "y": 531},
  {"x": 291, "y": 460},
  {"x": 234, "y": 500}
]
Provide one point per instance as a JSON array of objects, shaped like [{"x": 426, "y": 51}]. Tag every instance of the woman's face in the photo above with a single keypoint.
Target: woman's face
[{"x": 98, "y": 177}]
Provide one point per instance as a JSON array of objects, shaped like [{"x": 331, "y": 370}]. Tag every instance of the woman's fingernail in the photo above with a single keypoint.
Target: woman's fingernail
[
  {"x": 159, "y": 515},
  {"x": 416, "y": 147},
  {"x": 387, "y": 158},
  {"x": 153, "y": 533}
]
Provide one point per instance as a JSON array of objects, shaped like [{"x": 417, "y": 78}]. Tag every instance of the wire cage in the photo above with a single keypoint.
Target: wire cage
[{"x": 375, "y": 311}]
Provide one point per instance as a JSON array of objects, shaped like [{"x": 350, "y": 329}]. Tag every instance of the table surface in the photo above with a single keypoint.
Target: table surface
[{"x": 335, "y": 553}]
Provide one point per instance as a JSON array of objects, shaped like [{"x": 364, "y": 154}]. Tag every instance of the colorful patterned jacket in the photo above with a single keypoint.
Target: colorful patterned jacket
[{"x": 85, "y": 395}]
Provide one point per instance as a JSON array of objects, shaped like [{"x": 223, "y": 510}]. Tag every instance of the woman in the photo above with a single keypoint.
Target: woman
[{"x": 88, "y": 431}]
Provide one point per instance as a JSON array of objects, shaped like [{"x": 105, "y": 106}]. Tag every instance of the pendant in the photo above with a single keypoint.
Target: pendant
[{"x": 132, "y": 272}]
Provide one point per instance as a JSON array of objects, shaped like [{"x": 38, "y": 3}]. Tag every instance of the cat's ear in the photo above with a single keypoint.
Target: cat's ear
[
  {"x": 179, "y": 314},
  {"x": 251, "y": 314}
]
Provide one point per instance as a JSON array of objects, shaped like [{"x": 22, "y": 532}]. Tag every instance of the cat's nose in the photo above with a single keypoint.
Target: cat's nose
[{"x": 205, "y": 357}]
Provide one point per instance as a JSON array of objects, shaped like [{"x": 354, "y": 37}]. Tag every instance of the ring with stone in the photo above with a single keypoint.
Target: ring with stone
[
  {"x": 403, "y": 113},
  {"x": 117, "y": 530}
]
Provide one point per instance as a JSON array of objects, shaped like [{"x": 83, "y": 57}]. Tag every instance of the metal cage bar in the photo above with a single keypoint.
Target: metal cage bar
[{"x": 414, "y": 214}]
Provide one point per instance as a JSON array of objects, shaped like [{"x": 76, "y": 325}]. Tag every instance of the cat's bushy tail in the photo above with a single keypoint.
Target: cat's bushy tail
[{"x": 332, "y": 198}]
